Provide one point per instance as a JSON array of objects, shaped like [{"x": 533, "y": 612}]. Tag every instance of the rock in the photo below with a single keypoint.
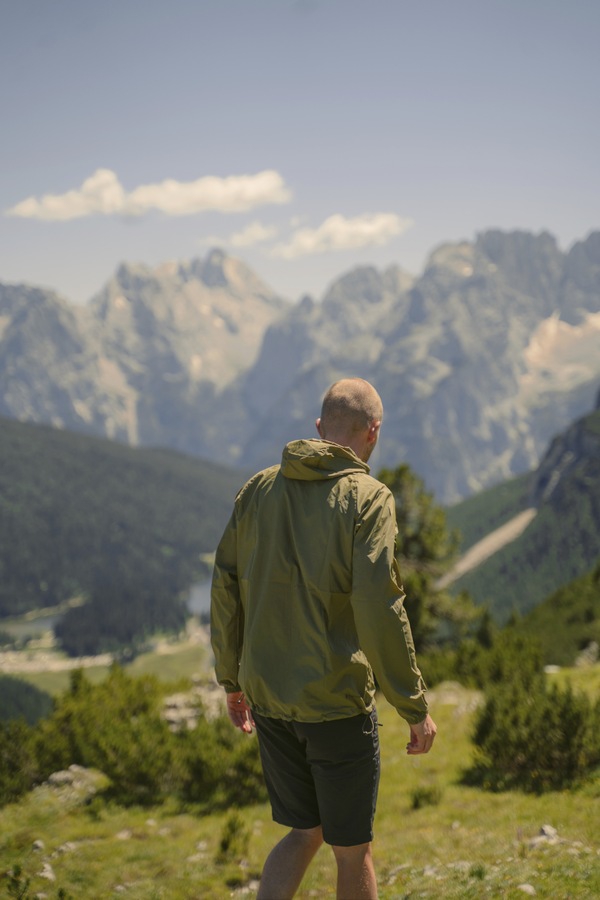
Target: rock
[
  {"x": 124, "y": 835},
  {"x": 547, "y": 835},
  {"x": 47, "y": 872},
  {"x": 183, "y": 710},
  {"x": 588, "y": 656},
  {"x": 74, "y": 785},
  {"x": 527, "y": 889},
  {"x": 67, "y": 847},
  {"x": 38, "y": 845}
]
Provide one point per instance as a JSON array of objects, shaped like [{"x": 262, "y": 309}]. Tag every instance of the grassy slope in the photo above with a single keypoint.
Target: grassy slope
[{"x": 470, "y": 845}]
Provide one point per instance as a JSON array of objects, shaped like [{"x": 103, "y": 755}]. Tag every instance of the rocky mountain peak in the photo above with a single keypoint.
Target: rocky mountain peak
[
  {"x": 211, "y": 270},
  {"x": 581, "y": 276},
  {"x": 479, "y": 361},
  {"x": 531, "y": 264},
  {"x": 454, "y": 259}
]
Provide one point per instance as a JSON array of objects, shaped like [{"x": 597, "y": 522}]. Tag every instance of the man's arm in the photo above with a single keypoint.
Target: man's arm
[
  {"x": 226, "y": 614},
  {"x": 381, "y": 620}
]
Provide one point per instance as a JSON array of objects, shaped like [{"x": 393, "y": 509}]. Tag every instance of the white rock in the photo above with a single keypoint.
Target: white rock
[
  {"x": 47, "y": 872},
  {"x": 67, "y": 847},
  {"x": 527, "y": 889},
  {"x": 38, "y": 845}
]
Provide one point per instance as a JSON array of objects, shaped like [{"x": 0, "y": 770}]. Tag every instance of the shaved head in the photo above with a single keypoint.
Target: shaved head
[{"x": 350, "y": 407}]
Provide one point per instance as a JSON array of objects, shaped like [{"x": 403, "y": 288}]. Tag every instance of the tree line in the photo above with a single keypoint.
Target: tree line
[{"x": 123, "y": 528}]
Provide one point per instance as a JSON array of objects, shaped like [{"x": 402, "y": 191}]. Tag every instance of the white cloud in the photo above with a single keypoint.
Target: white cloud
[
  {"x": 255, "y": 233},
  {"x": 340, "y": 233},
  {"x": 103, "y": 194},
  {"x": 100, "y": 193}
]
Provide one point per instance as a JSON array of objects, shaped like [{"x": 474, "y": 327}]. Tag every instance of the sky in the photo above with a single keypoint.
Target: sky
[{"x": 305, "y": 137}]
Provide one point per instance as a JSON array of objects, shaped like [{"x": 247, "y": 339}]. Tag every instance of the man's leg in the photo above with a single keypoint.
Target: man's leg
[
  {"x": 287, "y": 862},
  {"x": 356, "y": 873}
]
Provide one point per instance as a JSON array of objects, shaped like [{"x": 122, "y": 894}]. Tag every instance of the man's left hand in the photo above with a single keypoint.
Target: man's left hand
[{"x": 239, "y": 712}]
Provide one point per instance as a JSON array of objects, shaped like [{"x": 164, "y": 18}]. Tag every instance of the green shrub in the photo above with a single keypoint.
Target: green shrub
[
  {"x": 18, "y": 766},
  {"x": 425, "y": 795},
  {"x": 20, "y": 699},
  {"x": 534, "y": 738},
  {"x": 234, "y": 841},
  {"x": 117, "y": 727},
  {"x": 17, "y": 883},
  {"x": 490, "y": 657},
  {"x": 220, "y": 765}
]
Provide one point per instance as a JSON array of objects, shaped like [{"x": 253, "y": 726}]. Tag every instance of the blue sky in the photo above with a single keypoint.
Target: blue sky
[{"x": 304, "y": 136}]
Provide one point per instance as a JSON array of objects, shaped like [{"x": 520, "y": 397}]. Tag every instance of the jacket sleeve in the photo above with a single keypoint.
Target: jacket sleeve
[
  {"x": 226, "y": 613},
  {"x": 378, "y": 606}
]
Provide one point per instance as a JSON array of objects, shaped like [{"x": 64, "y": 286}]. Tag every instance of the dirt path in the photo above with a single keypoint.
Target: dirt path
[{"x": 489, "y": 545}]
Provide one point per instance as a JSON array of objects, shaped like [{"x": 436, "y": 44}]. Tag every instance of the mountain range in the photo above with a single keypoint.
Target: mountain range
[{"x": 480, "y": 360}]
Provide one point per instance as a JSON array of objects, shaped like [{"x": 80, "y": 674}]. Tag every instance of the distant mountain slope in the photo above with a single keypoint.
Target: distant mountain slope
[
  {"x": 480, "y": 360},
  {"x": 80, "y": 514},
  {"x": 563, "y": 540}
]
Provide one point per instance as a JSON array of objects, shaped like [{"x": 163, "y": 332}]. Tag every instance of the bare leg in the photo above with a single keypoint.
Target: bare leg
[
  {"x": 356, "y": 873},
  {"x": 287, "y": 862}
]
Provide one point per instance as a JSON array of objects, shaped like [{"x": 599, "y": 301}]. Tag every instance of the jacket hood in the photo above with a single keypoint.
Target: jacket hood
[{"x": 315, "y": 460}]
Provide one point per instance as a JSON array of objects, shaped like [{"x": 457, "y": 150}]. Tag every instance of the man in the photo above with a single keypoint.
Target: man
[{"x": 306, "y": 607}]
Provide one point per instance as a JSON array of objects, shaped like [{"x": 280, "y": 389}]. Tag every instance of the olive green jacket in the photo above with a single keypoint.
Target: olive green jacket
[{"x": 306, "y": 598}]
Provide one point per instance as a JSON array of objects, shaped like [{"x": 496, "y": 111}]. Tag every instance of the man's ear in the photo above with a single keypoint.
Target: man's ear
[
  {"x": 318, "y": 424},
  {"x": 373, "y": 432}
]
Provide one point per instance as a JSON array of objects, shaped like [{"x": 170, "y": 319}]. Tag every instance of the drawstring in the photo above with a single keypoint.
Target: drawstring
[{"x": 372, "y": 724}]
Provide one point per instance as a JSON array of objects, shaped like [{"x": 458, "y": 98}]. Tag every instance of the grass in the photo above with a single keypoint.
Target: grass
[
  {"x": 468, "y": 844},
  {"x": 584, "y": 678}
]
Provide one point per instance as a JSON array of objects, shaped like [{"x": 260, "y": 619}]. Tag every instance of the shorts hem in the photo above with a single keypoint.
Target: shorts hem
[
  {"x": 347, "y": 843},
  {"x": 287, "y": 823}
]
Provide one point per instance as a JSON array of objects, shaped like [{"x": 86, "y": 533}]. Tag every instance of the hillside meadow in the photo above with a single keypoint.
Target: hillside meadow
[{"x": 434, "y": 836}]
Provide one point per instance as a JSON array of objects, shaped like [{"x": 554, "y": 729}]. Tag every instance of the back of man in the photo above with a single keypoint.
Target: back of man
[{"x": 306, "y": 603}]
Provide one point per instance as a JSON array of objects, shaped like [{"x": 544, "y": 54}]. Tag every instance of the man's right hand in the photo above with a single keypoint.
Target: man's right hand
[{"x": 421, "y": 736}]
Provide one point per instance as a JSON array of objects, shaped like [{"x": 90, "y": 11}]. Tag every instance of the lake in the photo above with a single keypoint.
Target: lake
[{"x": 199, "y": 598}]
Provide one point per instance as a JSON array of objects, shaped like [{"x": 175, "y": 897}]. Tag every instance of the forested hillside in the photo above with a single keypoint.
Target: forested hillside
[
  {"x": 563, "y": 540},
  {"x": 123, "y": 527},
  {"x": 568, "y": 621}
]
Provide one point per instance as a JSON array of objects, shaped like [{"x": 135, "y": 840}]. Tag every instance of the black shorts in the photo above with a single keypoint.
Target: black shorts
[{"x": 323, "y": 773}]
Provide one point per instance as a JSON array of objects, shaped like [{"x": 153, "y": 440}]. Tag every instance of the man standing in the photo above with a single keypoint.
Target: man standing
[{"x": 306, "y": 607}]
